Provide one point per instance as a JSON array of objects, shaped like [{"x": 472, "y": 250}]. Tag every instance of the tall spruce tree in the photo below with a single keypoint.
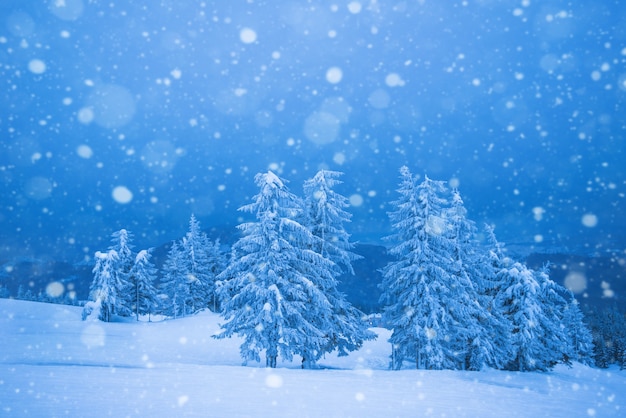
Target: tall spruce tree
[
  {"x": 325, "y": 217},
  {"x": 579, "y": 336},
  {"x": 553, "y": 301},
  {"x": 109, "y": 289},
  {"x": 488, "y": 331},
  {"x": 217, "y": 263},
  {"x": 274, "y": 287},
  {"x": 121, "y": 243},
  {"x": 489, "y": 261},
  {"x": 419, "y": 287},
  {"x": 537, "y": 337},
  {"x": 142, "y": 277},
  {"x": 196, "y": 249},
  {"x": 175, "y": 296}
]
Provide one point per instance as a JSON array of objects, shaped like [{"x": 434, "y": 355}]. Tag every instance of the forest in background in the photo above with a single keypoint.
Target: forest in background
[{"x": 607, "y": 324}]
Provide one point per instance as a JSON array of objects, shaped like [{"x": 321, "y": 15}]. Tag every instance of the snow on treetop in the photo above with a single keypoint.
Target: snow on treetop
[{"x": 270, "y": 178}]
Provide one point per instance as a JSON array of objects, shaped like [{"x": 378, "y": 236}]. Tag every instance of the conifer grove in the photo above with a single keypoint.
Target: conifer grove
[{"x": 451, "y": 296}]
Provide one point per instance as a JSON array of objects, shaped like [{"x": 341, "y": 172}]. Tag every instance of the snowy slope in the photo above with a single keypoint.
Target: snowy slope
[{"x": 53, "y": 364}]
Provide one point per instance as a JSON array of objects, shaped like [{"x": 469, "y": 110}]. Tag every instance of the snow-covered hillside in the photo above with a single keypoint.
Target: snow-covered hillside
[{"x": 53, "y": 364}]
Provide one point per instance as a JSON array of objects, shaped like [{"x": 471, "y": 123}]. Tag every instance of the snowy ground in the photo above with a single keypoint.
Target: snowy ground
[{"x": 53, "y": 364}]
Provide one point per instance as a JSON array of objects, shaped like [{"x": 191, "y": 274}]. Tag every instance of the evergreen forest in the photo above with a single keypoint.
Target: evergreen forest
[{"x": 451, "y": 295}]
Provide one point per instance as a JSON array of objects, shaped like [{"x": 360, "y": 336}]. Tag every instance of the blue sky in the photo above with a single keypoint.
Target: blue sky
[{"x": 125, "y": 115}]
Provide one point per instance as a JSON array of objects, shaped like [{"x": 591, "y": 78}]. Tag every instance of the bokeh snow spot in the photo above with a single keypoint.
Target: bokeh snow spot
[
  {"x": 176, "y": 73},
  {"x": 394, "y": 80},
  {"x": 37, "y": 66},
  {"x": 589, "y": 220},
  {"x": 85, "y": 115},
  {"x": 55, "y": 289},
  {"x": 182, "y": 400},
  {"x": 247, "y": 35},
  {"x": 273, "y": 381},
  {"x": 334, "y": 75},
  {"x": 576, "y": 282},
  {"x": 356, "y": 200},
  {"x": 355, "y": 7},
  {"x": 66, "y": 9},
  {"x": 122, "y": 195},
  {"x": 84, "y": 151},
  {"x": 359, "y": 396},
  {"x": 607, "y": 292},
  {"x": 339, "y": 158},
  {"x": 538, "y": 212}
]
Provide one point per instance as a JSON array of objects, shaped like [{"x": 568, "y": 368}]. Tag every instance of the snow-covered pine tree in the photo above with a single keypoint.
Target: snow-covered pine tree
[
  {"x": 492, "y": 261},
  {"x": 489, "y": 261},
  {"x": 197, "y": 266},
  {"x": 580, "y": 338},
  {"x": 487, "y": 331},
  {"x": 121, "y": 243},
  {"x": 325, "y": 217},
  {"x": 536, "y": 339},
  {"x": 419, "y": 288},
  {"x": 142, "y": 277},
  {"x": 271, "y": 295},
  {"x": 554, "y": 304},
  {"x": 174, "y": 283},
  {"x": 217, "y": 263},
  {"x": 108, "y": 289}
]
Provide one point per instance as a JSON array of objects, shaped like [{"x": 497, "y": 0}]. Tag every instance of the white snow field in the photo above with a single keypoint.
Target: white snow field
[{"x": 54, "y": 364}]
